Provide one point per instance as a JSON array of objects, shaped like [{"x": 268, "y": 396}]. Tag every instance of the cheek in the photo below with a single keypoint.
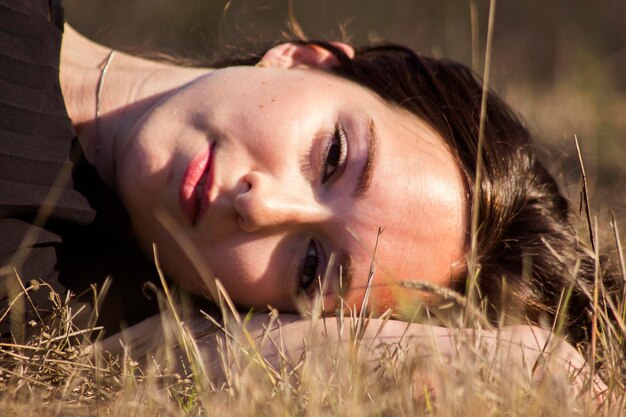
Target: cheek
[
  {"x": 142, "y": 165},
  {"x": 245, "y": 271}
]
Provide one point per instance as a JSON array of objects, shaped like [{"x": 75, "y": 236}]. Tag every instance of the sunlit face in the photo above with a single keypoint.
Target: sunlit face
[{"x": 301, "y": 165}]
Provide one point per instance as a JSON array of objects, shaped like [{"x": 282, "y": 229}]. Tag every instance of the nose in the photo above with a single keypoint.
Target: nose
[{"x": 264, "y": 202}]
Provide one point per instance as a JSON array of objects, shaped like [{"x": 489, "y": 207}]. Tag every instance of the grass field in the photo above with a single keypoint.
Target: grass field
[
  {"x": 60, "y": 372},
  {"x": 562, "y": 82}
]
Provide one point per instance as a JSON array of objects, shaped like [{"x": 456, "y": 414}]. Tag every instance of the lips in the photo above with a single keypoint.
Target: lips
[{"x": 196, "y": 185}]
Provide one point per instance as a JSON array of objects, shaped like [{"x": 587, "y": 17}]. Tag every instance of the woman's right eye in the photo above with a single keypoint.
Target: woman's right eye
[
  {"x": 336, "y": 154},
  {"x": 310, "y": 269}
]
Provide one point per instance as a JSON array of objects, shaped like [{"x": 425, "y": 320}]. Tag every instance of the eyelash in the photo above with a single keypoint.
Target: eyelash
[
  {"x": 339, "y": 157},
  {"x": 311, "y": 264}
]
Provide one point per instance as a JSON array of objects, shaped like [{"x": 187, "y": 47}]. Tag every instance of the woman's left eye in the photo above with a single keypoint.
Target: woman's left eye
[
  {"x": 336, "y": 153},
  {"x": 310, "y": 269}
]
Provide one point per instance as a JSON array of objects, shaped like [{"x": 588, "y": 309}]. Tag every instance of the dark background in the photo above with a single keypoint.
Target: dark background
[{"x": 560, "y": 63}]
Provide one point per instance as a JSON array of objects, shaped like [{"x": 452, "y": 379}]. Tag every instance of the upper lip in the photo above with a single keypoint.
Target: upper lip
[{"x": 196, "y": 184}]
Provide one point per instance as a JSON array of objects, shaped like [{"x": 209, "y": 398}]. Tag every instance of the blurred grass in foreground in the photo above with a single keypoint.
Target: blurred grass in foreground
[{"x": 58, "y": 372}]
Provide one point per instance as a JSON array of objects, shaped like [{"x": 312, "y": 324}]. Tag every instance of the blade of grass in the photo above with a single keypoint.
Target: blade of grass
[
  {"x": 585, "y": 194},
  {"x": 185, "y": 339},
  {"x": 594, "y": 317},
  {"x": 473, "y": 261},
  {"x": 474, "y": 32},
  {"x": 360, "y": 324}
]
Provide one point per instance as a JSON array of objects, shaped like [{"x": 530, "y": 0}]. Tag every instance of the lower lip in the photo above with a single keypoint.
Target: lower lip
[{"x": 198, "y": 167}]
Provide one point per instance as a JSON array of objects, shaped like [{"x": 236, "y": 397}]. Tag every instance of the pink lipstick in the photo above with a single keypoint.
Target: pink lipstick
[{"x": 196, "y": 185}]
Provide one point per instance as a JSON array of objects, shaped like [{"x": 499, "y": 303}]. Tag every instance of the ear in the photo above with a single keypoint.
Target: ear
[{"x": 291, "y": 55}]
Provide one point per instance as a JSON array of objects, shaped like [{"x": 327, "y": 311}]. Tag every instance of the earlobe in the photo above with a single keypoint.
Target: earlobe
[{"x": 292, "y": 55}]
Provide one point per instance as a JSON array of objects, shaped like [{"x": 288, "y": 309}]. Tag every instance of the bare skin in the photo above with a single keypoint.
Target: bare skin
[{"x": 437, "y": 355}]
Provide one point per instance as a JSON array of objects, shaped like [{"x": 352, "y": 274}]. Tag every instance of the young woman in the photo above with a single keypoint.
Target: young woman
[{"x": 317, "y": 161}]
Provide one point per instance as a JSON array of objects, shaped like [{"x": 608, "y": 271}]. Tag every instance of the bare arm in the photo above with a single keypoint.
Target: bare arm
[{"x": 433, "y": 354}]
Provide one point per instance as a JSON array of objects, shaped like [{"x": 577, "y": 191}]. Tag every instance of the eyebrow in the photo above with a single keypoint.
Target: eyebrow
[{"x": 365, "y": 176}]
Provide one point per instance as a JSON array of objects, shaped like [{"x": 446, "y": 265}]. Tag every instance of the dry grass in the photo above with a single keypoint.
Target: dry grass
[{"x": 246, "y": 368}]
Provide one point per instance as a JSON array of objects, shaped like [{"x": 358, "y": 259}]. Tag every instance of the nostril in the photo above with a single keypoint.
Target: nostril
[
  {"x": 249, "y": 202},
  {"x": 243, "y": 207},
  {"x": 243, "y": 188},
  {"x": 245, "y": 183}
]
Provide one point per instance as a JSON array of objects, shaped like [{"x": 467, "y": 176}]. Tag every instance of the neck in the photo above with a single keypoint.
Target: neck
[{"x": 131, "y": 87}]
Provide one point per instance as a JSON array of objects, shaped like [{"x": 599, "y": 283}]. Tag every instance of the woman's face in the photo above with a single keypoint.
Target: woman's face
[{"x": 269, "y": 171}]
